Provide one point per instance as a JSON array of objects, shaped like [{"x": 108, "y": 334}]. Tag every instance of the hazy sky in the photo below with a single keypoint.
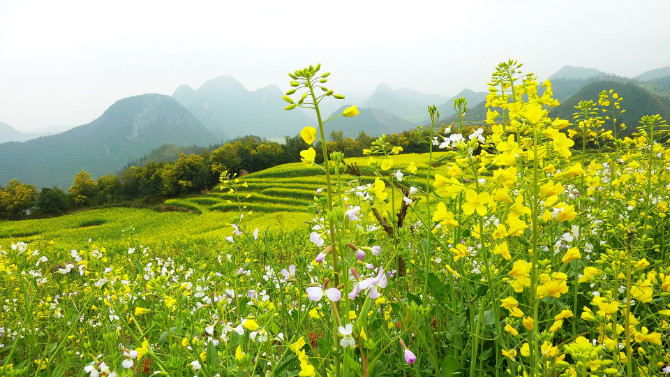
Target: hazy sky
[{"x": 64, "y": 62}]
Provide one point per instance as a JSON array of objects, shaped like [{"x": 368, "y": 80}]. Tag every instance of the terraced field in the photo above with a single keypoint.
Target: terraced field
[{"x": 288, "y": 187}]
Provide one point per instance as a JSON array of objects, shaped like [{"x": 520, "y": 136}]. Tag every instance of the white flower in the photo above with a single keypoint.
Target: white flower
[
  {"x": 256, "y": 234},
  {"x": 195, "y": 365},
  {"x": 316, "y": 239},
  {"x": 398, "y": 175},
  {"x": 347, "y": 340},
  {"x": 230, "y": 239},
  {"x": 127, "y": 363},
  {"x": 67, "y": 269}
]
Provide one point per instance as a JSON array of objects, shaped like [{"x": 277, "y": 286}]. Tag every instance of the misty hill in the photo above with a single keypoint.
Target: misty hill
[
  {"x": 447, "y": 108},
  {"x": 405, "y": 103},
  {"x": 636, "y": 100},
  {"x": 126, "y": 131},
  {"x": 572, "y": 72},
  {"x": 229, "y": 110},
  {"x": 374, "y": 122},
  {"x": 9, "y": 133},
  {"x": 654, "y": 74}
]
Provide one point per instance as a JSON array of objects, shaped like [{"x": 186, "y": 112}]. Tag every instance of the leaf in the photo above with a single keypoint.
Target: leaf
[
  {"x": 414, "y": 298},
  {"x": 212, "y": 356},
  {"x": 437, "y": 288},
  {"x": 284, "y": 365},
  {"x": 449, "y": 366}
]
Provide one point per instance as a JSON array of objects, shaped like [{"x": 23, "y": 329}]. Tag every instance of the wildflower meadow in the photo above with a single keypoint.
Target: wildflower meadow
[{"x": 530, "y": 246}]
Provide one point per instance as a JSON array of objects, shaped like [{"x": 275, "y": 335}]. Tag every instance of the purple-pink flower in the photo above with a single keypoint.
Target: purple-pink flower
[
  {"x": 316, "y": 293},
  {"x": 410, "y": 357}
]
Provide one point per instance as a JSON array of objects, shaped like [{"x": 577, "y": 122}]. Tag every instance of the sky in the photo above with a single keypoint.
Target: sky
[{"x": 63, "y": 63}]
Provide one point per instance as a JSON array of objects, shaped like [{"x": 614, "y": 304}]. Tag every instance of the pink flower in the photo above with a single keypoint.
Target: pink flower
[
  {"x": 316, "y": 293},
  {"x": 410, "y": 357}
]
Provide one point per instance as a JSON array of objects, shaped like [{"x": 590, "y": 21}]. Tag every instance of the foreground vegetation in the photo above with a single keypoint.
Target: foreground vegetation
[{"x": 515, "y": 257}]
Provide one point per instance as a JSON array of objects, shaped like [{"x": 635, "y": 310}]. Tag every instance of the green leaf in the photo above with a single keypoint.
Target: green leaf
[
  {"x": 212, "y": 356},
  {"x": 437, "y": 288}
]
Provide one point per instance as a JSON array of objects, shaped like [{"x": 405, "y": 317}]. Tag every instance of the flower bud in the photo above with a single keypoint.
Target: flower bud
[
  {"x": 287, "y": 99},
  {"x": 317, "y": 68},
  {"x": 338, "y": 96},
  {"x": 350, "y": 111},
  {"x": 290, "y": 107},
  {"x": 325, "y": 75},
  {"x": 294, "y": 77},
  {"x": 330, "y": 93},
  {"x": 290, "y": 92},
  {"x": 323, "y": 81},
  {"x": 295, "y": 84}
]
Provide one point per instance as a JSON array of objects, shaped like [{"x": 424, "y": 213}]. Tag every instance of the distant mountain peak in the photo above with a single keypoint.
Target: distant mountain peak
[
  {"x": 574, "y": 72},
  {"x": 654, "y": 74}
]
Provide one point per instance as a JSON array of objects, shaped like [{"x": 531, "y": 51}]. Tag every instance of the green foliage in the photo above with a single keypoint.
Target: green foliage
[
  {"x": 53, "y": 201},
  {"x": 16, "y": 198},
  {"x": 84, "y": 189}
]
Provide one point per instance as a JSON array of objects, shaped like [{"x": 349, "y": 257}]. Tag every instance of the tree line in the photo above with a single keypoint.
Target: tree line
[{"x": 189, "y": 174}]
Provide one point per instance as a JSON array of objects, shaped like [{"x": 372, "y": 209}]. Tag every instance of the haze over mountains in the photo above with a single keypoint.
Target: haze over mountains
[
  {"x": 222, "y": 109},
  {"x": 129, "y": 129}
]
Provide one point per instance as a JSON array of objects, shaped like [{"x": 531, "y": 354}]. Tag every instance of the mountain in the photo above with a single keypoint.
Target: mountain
[
  {"x": 447, "y": 108},
  {"x": 572, "y": 72},
  {"x": 637, "y": 101},
  {"x": 374, "y": 122},
  {"x": 653, "y": 74},
  {"x": 229, "y": 110},
  {"x": 8, "y": 133},
  {"x": 405, "y": 103},
  {"x": 125, "y": 132}
]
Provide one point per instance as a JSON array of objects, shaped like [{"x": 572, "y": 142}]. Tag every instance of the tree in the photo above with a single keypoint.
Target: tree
[
  {"x": 53, "y": 201},
  {"x": 16, "y": 198},
  {"x": 84, "y": 189},
  {"x": 109, "y": 187}
]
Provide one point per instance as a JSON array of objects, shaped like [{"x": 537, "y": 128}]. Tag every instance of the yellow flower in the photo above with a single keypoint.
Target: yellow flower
[
  {"x": 567, "y": 213},
  {"x": 548, "y": 350},
  {"x": 169, "y": 301},
  {"x": 528, "y": 323},
  {"x": 352, "y": 315},
  {"x": 184, "y": 342},
  {"x": 589, "y": 274},
  {"x": 476, "y": 202},
  {"x": 387, "y": 164},
  {"x": 509, "y": 303},
  {"x": 314, "y": 313},
  {"x": 239, "y": 355},
  {"x": 308, "y": 134},
  {"x": 141, "y": 351},
  {"x": 533, "y": 112},
  {"x": 551, "y": 189},
  {"x": 396, "y": 150},
  {"x": 556, "y": 326},
  {"x": 571, "y": 254},
  {"x": 140, "y": 311},
  {"x": 295, "y": 347},
  {"x": 308, "y": 156},
  {"x": 566, "y": 313},
  {"x": 503, "y": 250},
  {"x": 411, "y": 168},
  {"x": 380, "y": 188},
  {"x": 351, "y": 111},
  {"x": 460, "y": 251},
  {"x": 444, "y": 216},
  {"x": 525, "y": 350},
  {"x": 510, "y": 354},
  {"x": 642, "y": 291},
  {"x": 250, "y": 324},
  {"x": 511, "y": 330}
]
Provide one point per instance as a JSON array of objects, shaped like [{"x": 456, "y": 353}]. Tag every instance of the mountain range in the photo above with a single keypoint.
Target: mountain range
[
  {"x": 129, "y": 129},
  {"x": 229, "y": 110},
  {"x": 222, "y": 109}
]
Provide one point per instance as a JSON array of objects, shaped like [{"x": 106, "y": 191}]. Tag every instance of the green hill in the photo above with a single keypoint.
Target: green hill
[{"x": 126, "y": 131}]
